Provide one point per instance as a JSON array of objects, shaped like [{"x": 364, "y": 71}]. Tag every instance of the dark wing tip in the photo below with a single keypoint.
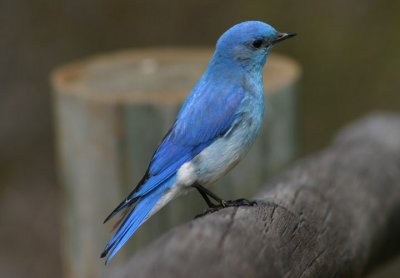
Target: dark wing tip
[
  {"x": 127, "y": 202},
  {"x": 108, "y": 217},
  {"x": 103, "y": 254}
]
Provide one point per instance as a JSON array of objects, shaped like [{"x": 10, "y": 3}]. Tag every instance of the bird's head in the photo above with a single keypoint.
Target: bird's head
[{"x": 249, "y": 42}]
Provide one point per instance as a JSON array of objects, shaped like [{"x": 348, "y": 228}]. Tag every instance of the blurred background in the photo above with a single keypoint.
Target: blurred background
[{"x": 349, "y": 51}]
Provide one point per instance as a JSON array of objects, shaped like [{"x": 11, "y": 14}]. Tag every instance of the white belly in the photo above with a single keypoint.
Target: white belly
[{"x": 221, "y": 156}]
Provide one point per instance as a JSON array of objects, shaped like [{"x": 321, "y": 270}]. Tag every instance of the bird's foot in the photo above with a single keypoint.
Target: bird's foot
[
  {"x": 226, "y": 204},
  {"x": 238, "y": 203}
]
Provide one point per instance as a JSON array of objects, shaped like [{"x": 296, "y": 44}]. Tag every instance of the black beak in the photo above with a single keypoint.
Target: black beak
[{"x": 282, "y": 37}]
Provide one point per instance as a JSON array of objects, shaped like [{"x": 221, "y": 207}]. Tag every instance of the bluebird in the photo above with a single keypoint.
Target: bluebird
[{"x": 214, "y": 129}]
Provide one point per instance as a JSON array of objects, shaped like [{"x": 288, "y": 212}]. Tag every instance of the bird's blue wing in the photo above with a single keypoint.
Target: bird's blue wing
[{"x": 207, "y": 114}]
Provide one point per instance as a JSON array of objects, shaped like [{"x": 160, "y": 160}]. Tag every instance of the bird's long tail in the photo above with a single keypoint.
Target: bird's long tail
[{"x": 135, "y": 218}]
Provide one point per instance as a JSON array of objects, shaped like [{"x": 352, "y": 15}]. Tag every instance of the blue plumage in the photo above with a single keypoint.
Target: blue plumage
[
  {"x": 135, "y": 218},
  {"x": 215, "y": 128}
]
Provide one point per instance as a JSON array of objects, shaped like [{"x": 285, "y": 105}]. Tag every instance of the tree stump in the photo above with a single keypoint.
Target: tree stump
[{"x": 111, "y": 113}]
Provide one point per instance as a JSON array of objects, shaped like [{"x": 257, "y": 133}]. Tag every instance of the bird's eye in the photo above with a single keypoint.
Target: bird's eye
[{"x": 257, "y": 43}]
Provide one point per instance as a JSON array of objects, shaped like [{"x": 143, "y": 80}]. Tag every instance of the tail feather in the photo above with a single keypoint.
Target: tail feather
[
  {"x": 146, "y": 185},
  {"x": 136, "y": 217}
]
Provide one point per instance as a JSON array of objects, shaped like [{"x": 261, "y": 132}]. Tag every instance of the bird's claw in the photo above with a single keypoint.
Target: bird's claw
[
  {"x": 239, "y": 203},
  {"x": 225, "y": 204}
]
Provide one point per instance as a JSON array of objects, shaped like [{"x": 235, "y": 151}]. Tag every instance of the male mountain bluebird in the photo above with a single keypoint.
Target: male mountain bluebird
[{"x": 214, "y": 129}]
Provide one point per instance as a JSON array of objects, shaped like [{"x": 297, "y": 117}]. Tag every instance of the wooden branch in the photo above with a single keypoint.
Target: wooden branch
[{"x": 334, "y": 214}]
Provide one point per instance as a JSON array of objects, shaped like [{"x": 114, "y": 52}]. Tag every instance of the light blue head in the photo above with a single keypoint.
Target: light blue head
[{"x": 248, "y": 43}]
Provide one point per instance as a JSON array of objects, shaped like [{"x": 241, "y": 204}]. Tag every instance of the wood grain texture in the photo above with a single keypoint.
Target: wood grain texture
[
  {"x": 112, "y": 111},
  {"x": 333, "y": 214}
]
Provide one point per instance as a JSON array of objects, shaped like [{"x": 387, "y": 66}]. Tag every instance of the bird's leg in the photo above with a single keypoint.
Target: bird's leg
[
  {"x": 205, "y": 193},
  {"x": 205, "y": 197}
]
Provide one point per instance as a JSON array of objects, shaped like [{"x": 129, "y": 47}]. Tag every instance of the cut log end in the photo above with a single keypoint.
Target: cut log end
[{"x": 153, "y": 76}]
